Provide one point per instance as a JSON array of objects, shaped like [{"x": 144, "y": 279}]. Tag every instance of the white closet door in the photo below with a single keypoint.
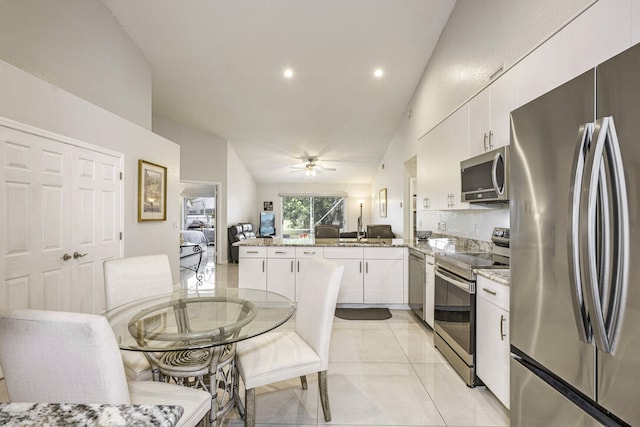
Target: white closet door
[
  {"x": 56, "y": 199},
  {"x": 95, "y": 231}
]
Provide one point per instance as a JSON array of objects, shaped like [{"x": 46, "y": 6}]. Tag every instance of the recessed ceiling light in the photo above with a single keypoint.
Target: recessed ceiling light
[
  {"x": 288, "y": 73},
  {"x": 378, "y": 73}
]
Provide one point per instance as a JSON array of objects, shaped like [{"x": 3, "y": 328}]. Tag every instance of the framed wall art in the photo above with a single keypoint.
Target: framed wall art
[
  {"x": 383, "y": 202},
  {"x": 152, "y": 192}
]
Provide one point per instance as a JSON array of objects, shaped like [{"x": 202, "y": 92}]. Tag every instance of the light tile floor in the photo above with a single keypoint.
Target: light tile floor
[{"x": 381, "y": 373}]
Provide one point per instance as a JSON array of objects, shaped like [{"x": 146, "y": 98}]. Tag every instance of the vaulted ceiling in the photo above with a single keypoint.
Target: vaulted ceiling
[{"x": 218, "y": 66}]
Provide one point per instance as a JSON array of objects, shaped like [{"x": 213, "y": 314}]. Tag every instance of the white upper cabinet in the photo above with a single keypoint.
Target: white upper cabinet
[
  {"x": 453, "y": 147},
  {"x": 439, "y": 155},
  {"x": 540, "y": 71},
  {"x": 601, "y": 32},
  {"x": 635, "y": 22},
  {"x": 426, "y": 175},
  {"x": 504, "y": 99},
  {"x": 489, "y": 114},
  {"x": 480, "y": 123}
]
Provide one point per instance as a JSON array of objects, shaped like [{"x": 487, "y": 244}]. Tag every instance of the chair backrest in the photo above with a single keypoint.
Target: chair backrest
[
  {"x": 317, "y": 305},
  {"x": 128, "y": 279},
  {"x": 379, "y": 230},
  {"x": 327, "y": 231},
  {"x": 61, "y": 357}
]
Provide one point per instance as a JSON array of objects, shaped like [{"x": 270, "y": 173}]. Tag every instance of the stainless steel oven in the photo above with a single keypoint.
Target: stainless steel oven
[
  {"x": 455, "y": 316},
  {"x": 455, "y": 302}
]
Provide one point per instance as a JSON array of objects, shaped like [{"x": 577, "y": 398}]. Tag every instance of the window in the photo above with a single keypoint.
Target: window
[{"x": 300, "y": 214}]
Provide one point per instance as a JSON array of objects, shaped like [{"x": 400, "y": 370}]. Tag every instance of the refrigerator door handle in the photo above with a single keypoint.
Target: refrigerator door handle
[
  {"x": 585, "y": 133},
  {"x": 605, "y": 263}
]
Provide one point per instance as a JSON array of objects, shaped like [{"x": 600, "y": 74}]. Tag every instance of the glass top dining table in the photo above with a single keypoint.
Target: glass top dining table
[{"x": 189, "y": 319}]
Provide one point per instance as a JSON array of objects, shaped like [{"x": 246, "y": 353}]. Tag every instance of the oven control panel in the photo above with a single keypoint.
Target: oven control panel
[{"x": 500, "y": 236}]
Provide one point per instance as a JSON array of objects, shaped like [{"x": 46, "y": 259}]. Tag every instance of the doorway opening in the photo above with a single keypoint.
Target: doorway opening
[{"x": 199, "y": 224}]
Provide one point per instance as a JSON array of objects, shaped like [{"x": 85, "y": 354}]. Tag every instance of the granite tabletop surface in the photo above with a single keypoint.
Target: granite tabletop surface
[
  {"x": 499, "y": 275},
  {"x": 77, "y": 414}
]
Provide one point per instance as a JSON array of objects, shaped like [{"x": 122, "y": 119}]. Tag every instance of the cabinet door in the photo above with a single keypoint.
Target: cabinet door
[
  {"x": 454, "y": 147},
  {"x": 351, "y": 286},
  {"x": 434, "y": 195},
  {"x": 425, "y": 182},
  {"x": 429, "y": 293},
  {"x": 591, "y": 39},
  {"x": 383, "y": 281},
  {"x": 504, "y": 99},
  {"x": 492, "y": 348},
  {"x": 281, "y": 277},
  {"x": 252, "y": 273},
  {"x": 479, "y": 122},
  {"x": 540, "y": 71},
  {"x": 303, "y": 256}
]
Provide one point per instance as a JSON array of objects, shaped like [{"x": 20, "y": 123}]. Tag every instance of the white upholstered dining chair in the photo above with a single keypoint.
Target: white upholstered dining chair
[
  {"x": 64, "y": 357},
  {"x": 281, "y": 355},
  {"x": 128, "y": 279}
]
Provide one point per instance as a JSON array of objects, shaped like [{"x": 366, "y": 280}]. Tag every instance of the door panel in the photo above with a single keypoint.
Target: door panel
[
  {"x": 543, "y": 145},
  {"x": 618, "y": 93},
  {"x": 534, "y": 403}
]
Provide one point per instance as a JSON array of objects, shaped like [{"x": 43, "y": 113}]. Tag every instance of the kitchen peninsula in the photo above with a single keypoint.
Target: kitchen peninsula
[{"x": 375, "y": 271}]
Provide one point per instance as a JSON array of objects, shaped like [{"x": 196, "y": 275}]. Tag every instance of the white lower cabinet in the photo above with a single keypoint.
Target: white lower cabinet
[
  {"x": 492, "y": 337},
  {"x": 281, "y": 273},
  {"x": 429, "y": 292},
  {"x": 303, "y": 256},
  {"x": 253, "y": 267},
  {"x": 383, "y": 275},
  {"x": 372, "y": 275},
  {"x": 352, "y": 285}
]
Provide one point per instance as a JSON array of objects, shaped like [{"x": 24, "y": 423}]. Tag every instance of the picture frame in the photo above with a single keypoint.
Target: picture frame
[
  {"x": 382, "y": 196},
  {"x": 152, "y": 192}
]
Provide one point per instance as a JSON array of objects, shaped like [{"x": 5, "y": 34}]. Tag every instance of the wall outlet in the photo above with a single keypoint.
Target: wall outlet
[{"x": 443, "y": 226}]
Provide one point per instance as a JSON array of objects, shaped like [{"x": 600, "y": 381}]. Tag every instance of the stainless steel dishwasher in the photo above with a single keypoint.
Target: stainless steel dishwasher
[{"x": 417, "y": 281}]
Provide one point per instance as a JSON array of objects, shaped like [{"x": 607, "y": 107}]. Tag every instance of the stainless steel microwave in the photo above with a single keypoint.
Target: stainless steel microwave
[{"x": 485, "y": 178}]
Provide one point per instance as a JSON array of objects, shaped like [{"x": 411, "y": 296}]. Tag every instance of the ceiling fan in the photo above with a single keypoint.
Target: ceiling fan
[{"x": 311, "y": 167}]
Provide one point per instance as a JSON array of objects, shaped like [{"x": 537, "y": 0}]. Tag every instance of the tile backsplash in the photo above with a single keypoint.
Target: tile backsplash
[{"x": 472, "y": 224}]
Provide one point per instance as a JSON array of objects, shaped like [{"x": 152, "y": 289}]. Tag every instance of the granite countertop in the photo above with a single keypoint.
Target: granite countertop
[
  {"x": 499, "y": 275},
  {"x": 277, "y": 241},
  {"x": 76, "y": 414}
]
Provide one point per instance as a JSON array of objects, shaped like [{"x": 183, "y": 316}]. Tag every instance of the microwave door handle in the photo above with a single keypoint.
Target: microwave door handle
[
  {"x": 494, "y": 173},
  {"x": 585, "y": 134}
]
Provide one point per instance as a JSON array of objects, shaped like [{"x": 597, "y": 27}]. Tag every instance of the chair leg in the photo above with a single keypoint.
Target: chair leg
[
  {"x": 303, "y": 381},
  {"x": 324, "y": 395},
  {"x": 250, "y": 407}
]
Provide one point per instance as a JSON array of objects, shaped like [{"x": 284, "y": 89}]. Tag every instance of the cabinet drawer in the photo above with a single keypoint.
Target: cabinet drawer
[
  {"x": 341, "y": 253},
  {"x": 309, "y": 252},
  {"x": 252, "y": 252},
  {"x": 384, "y": 253},
  {"x": 281, "y": 252},
  {"x": 493, "y": 292}
]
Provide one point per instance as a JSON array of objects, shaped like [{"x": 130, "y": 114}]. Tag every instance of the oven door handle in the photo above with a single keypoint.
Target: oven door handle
[{"x": 468, "y": 287}]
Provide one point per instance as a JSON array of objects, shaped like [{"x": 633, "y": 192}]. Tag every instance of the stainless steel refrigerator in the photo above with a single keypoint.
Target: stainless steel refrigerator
[{"x": 575, "y": 251}]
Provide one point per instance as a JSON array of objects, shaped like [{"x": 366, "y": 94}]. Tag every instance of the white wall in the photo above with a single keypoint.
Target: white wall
[
  {"x": 78, "y": 45},
  {"x": 241, "y": 192},
  {"x": 355, "y": 192},
  {"x": 480, "y": 36},
  {"x": 203, "y": 158}
]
